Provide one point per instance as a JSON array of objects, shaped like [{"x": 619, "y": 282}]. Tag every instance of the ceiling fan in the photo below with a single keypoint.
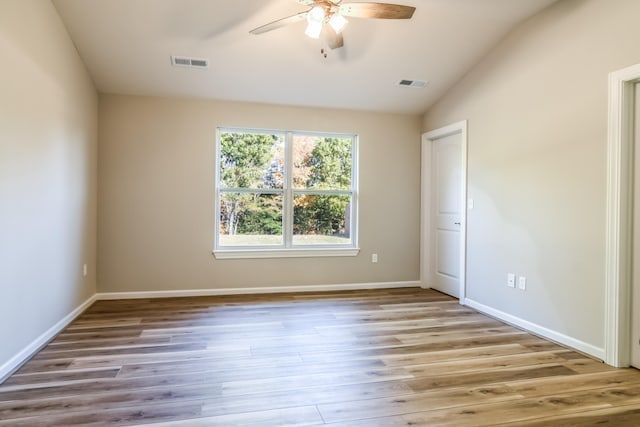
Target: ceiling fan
[{"x": 333, "y": 12}]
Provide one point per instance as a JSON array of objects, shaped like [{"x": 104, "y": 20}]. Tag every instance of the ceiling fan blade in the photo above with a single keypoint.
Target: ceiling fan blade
[
  {"x": 334, "y": 40},
  {"x": 377, "y": 10},
  {"x": 280, "y": 23}
]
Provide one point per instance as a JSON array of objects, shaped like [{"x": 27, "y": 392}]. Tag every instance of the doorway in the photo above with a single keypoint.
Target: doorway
[
  {"x": 618, "y": 328},
  {"x": 444, "y": 184}
]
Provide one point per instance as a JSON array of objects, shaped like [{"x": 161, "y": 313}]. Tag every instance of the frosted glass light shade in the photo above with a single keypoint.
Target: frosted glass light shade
[
  {"x": 316, "y": 14},
  {"x": 313, "y": 29},
  {"x": 315, "y": 18},
  {"x": 338, "y": 22}
]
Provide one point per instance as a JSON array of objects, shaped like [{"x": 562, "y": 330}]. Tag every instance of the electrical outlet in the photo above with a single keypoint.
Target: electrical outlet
[
  {"x": 84, "y": 270},
  {"x": 374, "y": 258},
  {"x": 522, "y": 283},
  {"x": 511, "y": 280}
]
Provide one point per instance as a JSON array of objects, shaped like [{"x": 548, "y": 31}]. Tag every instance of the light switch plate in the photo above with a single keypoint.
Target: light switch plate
[{"x": 522, "y": 283}]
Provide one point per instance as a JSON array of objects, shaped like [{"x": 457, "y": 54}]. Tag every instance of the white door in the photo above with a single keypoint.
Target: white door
[
  {"x": 444, "y": 173},
  {"x": 635, "y": 308}
]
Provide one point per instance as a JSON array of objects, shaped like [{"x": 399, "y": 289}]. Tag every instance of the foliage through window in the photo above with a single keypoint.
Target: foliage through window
[{"x": 285, "y": 190}]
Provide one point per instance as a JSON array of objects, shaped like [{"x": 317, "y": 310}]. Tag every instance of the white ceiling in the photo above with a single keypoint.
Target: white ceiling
[{"x": 126, "y": 45}]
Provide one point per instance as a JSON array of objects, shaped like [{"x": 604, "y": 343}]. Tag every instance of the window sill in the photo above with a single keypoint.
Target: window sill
[{"x": 284, "y": 253}]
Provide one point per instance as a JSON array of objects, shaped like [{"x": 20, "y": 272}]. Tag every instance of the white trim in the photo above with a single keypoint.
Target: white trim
[
  {"x": 425, "y": 171},
  {"x": 618, "y": 265},
  {"x": 287, "y": 208},
  {"x": 425, "y": 212},
  {"x": 256, "y": 290},
  {"x": 537, "y": 329},
  {"x": 284, "y": 253},
  {"x": 10, "y": 366}
]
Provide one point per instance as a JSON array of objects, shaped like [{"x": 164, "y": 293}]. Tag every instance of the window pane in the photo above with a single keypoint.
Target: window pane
[
  {"x": 322, "y": 163},
  {"x": 250, "y": 219},
  {"x": 321, "y": 219},
  {"x": 251, "y": 160}
]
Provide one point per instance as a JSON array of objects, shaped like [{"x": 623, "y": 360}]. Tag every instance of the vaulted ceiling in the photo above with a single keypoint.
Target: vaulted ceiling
[{"x": 127, "y": 44}]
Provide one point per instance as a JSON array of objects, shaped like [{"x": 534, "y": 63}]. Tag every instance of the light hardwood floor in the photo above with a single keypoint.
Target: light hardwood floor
[{"x": 405, "y": 357}]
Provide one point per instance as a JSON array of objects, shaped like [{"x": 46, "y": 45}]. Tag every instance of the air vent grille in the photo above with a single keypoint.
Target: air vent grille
[
  {"x": 183, "y": 61},
  {"x": 413, "y": 83}
]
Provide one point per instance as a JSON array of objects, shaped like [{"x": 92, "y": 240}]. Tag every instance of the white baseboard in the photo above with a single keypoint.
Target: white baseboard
[
  {"x": 550, "y": 334},
  {"x": 257, "y": 290},
  {"x": 18, "y": 360}
]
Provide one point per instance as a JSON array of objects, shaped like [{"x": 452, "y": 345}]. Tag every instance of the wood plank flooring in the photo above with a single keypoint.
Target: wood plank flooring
[{"x": 389, "y": 358}]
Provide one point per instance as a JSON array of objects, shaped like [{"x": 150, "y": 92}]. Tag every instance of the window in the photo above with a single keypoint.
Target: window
[{"x": 285, "y": 194}]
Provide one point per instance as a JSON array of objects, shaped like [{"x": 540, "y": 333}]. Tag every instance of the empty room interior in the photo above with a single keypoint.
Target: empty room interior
[{"x": 319, "y": 212}]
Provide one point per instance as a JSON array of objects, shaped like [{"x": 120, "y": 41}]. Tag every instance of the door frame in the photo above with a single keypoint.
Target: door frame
[
  {"x": 425, "y": 214},
  {"x": 619, "y": 220}
]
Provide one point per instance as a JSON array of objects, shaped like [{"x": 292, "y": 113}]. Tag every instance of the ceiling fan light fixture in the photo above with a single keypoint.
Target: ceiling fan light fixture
[
  {"x": 333, "y": 12},
  {"x": 315, "y": 19},
  {"x": 338, "y": 22},
  {"x": 313, "y": 29},
  {"x": 316, "y": 14}
]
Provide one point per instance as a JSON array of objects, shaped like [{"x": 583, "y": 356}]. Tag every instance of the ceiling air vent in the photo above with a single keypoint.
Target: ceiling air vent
[
  {"x": 183, "y": 61},
  {"x": 413, "y": 83}
]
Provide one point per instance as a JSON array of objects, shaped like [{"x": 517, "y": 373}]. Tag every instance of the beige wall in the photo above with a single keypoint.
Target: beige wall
[
  {"x": 537, "y": 111},
  {"x": 48, "y": 148},
  {"x": 156, "y": 196}
]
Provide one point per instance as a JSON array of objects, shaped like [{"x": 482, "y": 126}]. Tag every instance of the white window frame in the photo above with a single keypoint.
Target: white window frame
[{"x": 288, "y": 249}]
